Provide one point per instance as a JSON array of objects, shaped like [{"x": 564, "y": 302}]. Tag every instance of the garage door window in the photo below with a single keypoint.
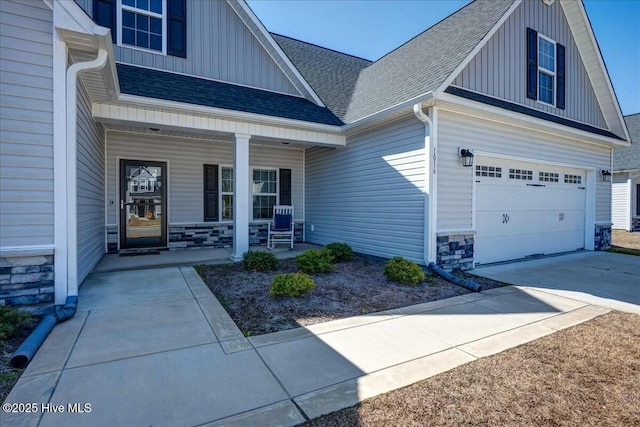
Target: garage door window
[
  {"x": 548, "y": 177},
  {"x": 526, "y": 175},
  {"x": 489, "y": 171},
  {"x": 572, "y": 179}
]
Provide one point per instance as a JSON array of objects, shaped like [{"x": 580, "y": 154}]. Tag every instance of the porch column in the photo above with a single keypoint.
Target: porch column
[{"x": 241, "y": 195}]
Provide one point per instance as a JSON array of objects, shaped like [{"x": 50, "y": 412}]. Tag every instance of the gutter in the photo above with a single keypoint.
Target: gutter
[
  {"x": 430, "y": 157},
  {"x": 30, "y": 346}
]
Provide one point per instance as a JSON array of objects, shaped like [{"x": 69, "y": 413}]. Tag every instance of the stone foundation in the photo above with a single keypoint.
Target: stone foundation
[
  {"x": 602, "y": 238},
  {"x": 635, "y": 224},
  {"x": 214, "y": 235},
  {"x": 26, "y": 280},
  {"x": 455, "y": 251}
]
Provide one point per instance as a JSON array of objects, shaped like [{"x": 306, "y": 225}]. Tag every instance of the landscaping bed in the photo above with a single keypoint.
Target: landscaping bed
[
  {"x": 15, "y": 326},
  {"x": 352, "y": 288}
]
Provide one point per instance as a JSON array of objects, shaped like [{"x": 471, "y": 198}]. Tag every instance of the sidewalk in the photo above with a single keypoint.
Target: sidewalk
[{"x": 154, "y": 347}]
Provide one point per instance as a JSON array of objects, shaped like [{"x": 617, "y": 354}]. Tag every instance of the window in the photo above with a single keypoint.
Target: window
[
  {"x": 227, "y": 193},
  {"x": 142, "y": 24},
  {"x": 489, "y": 171},
  {"x": 572, "y": 179},
  {"x": 523, "y": 174},
  {"x": 265, "y": 192},
  {"x": 545, "y": 70},
  {"x": 548, "y": 177}
]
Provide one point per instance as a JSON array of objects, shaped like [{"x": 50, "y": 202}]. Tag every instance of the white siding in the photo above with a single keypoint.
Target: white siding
[
  {"x": 455, "y": 182},
  {"x": 186, "y": 158},
  {"x": 91, "y": 168},
  {"x": 500, "y": 68},
  {"x": 26, "y": 124},
  {"x": 371, "y": 193},
  {"x": 219, "y": 47}
]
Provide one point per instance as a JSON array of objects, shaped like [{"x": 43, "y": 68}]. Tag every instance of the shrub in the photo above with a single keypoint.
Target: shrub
[
  {"x": 11, "y": 320},
  {"x": 291, "y": 285},
  {"x": 314, "y": 261},
  {"x": 259, "y": 261},
  {"x": 404, "y": 271},
  {"x": 340, "y": 251}
]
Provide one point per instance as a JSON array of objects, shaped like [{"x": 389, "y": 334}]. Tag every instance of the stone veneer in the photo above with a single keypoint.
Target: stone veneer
[
  {"x": 635, "y": 224},
  {"x": 602, "y": 237},
  {"x": 455, "y": 251},
  {"x": 214, "y": 235},
  {"x": 26, "y": 280}
]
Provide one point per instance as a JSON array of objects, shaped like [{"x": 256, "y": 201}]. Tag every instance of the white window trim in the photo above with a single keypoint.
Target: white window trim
[
  {"x": 120, "y": 7},
  {"x": 547, "y": 71},
  {"x": 277, "y": 193},
  {"x": 224, "y": 193}
]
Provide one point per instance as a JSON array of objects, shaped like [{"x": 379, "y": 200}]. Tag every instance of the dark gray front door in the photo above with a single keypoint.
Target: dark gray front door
[{"x": 143, "y": 189}]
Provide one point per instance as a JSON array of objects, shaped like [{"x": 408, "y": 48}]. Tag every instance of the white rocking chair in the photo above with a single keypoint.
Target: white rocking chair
[{"x": 281, "y": 227}]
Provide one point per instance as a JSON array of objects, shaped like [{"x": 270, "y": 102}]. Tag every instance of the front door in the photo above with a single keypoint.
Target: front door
[{"x": 143, "y": 189}]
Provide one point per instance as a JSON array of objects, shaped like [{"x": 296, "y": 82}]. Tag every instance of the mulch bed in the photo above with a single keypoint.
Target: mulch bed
[{"x": 353, "y": 288}]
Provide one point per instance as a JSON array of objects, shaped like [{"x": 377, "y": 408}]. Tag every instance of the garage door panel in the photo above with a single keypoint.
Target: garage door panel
[{"x": 542, "y": 213}]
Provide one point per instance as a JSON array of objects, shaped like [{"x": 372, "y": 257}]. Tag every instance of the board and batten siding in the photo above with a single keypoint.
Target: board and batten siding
[
  {"x": 186, "y": 158},
  {"x": 371, "y": 193},
  {"x": 91, "y": 169},
  {"x": 26, "y": 123},
  {"x": 500, "y": 68},
  {"x": 219, "y": 47},
  {"x": 455, "y": 182}
]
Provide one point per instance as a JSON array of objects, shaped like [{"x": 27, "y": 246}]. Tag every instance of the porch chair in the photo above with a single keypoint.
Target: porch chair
[{"x": 281, "y": 227}]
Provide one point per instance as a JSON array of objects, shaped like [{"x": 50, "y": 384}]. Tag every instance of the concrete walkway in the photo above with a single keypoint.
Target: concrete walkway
[{"x": 154, "y": 347}]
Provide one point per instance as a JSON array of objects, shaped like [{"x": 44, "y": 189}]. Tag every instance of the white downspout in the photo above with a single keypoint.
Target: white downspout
[
  {"x": 430, "y": 151},
  {"x": 72, "y": 166}
]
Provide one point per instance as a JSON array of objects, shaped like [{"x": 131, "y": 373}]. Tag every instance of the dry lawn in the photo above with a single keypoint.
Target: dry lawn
[
  {"x": 588, "y": 375},
  {"x": 625, "y": 242}
]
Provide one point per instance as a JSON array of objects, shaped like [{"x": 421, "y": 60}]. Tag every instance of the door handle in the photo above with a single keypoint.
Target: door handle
[
  {"x": 561, "y": 216},
  {"x": 505, "y": 218}
]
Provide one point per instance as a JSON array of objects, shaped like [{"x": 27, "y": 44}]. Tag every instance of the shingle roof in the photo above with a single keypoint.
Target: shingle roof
[
  {"x": 628, "y": 158},
  {"x": 175, "y": 87},
  {"x": 354, "y": 89},
  {"x": 332, "y": 75}
]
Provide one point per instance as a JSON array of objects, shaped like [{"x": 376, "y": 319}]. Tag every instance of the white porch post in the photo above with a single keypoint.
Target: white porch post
[{"x": 241, "y": 196}]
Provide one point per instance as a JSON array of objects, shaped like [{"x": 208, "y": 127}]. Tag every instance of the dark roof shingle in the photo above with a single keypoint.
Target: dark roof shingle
[
  {"x": 175, "y": 87},
  {"x": 628, "y": 158}
]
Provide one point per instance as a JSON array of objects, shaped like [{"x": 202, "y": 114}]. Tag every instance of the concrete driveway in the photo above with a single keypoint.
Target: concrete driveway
[{"x": 601, "y": 278}]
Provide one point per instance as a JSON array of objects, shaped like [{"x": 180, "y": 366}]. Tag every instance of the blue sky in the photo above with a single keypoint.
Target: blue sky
[{"x": 371, "y": 28}]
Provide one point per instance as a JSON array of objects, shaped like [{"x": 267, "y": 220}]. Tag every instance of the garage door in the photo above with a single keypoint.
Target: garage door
[{"x": 527, "y": 209}]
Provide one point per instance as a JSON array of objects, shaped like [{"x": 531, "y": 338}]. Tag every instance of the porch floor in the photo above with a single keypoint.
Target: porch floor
[{"x": 115, "y": 262}]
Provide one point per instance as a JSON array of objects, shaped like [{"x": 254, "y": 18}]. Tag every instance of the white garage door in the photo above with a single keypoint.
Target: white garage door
[{"x": 525, "y": 209}]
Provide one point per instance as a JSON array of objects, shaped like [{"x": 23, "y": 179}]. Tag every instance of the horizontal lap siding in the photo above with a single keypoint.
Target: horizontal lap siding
[
  {"x": 219, "y": 46},
  {"x": 91, "y": 169},
  {"x": 620, "y": 199},
  {"x": 455, "y": 182},
  {"x": 26, "y": 124},
  {"x": 370, "y": 194},
  {"x": 186, "y": 158},
  {"x": 499, "y": 69}
]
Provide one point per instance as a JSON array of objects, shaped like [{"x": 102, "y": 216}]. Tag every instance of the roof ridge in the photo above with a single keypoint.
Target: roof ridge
[
  {"x": 322, "y": 47},
  {"x": 632, "y": 114}
]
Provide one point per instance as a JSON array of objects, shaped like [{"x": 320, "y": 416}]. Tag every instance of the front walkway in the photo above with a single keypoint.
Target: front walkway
[{"x": 154, "y": 347}]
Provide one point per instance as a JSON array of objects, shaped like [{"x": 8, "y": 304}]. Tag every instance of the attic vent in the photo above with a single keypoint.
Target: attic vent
[{"x": 548, "y": 2}]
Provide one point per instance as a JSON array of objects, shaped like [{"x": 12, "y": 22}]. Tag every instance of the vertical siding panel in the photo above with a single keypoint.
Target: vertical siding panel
[
  {"x": 26, "y": 128},
  {"x": 506, "y": 51}
]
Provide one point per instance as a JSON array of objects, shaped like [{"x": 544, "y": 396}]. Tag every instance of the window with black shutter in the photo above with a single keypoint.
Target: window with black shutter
[{"x": 546, "y": 76}]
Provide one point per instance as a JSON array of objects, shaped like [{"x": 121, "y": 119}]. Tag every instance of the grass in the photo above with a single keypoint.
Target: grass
[
  {"x": 587, "y": 375},
  {"x": 15, "y": 326}
]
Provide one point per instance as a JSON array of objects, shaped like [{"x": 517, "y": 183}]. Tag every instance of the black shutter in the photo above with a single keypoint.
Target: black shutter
[
  {"x": 177, "y": 28},
  {"x": 532, "y": 64},
  {"x": 560, "y": 84},
  {"x": 285, "y": 187},
  {"x": 637, "y": 199},
  {"x": 211, "y": 192},
  {"x": 104, "y": 14}
]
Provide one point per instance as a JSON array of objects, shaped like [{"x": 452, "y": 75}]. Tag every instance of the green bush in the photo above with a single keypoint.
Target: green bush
[
  {"x": 11, "y": 319},
  {"x": 291, "y": 285},
  {"x": 340, "y": 251},
  {"x": 259, "y": 261},
  {"x": 404, "y": 271},
  {"x": 313, "y": 261}
]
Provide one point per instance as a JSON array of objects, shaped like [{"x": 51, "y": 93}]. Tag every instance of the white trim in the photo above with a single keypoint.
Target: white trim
[
  {"x": 119, "y": 22},
  {"x": 547, "y": 71},
  {"x": 222, "y": 193},
  {"x": 282, "y": 57},
  {"x": 304, "y": 195},
  {"x": 7, "y": 251},
  {"x": 242, "y": 196},
  {"x": 531, "y": 160},
  {"x": 479, "y": 46}
]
